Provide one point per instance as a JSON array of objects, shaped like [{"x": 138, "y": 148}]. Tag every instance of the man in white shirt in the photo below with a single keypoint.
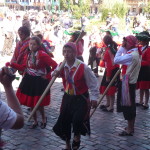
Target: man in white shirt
[
  {"x": 11, "y": 116},
  {"x": 129, "y": 55}
]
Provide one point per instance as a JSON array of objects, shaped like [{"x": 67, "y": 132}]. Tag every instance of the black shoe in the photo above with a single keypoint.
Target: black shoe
[
  {"x": 124, "y": 133},
  {"x": 103, "y": 106},
  {"x": 43, "y": 125},
  {"x": 145, "y": 107},
  {"x": 139, "y": 104},
  {"x": 33, "y": 126},
  {"x": 105, "y": 109}
]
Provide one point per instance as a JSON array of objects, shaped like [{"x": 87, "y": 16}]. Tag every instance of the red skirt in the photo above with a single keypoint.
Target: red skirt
[
  {"x": 143, "y": 81},
  {"x": 30, "y": 90},
  {"x": 113, "y": 88}
]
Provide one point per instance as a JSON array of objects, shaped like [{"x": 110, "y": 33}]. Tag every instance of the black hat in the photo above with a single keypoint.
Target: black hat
[
  {"x": 76, "y": 33},
  {"x": 143, "y": 36}
]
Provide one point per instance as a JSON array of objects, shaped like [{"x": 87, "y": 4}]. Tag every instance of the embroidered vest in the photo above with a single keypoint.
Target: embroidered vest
[{"x": 74, "y": 81}]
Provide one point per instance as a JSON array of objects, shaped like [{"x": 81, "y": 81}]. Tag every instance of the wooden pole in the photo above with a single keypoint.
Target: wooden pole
[
  {"x": 111, "y": 82},
  {"x": 52, "y": 81}
]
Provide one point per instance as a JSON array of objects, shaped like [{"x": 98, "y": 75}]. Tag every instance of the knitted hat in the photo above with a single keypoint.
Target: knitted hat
[
  {"x": 132, "y": 40},
  {"x": 71, "y": 45}
]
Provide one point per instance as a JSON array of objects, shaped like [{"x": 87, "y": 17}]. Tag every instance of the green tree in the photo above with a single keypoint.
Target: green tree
[
  {"x": 147, "y": 9},
  {"x": 77, "y": 7},
  {"x": 115, "y": 7}
]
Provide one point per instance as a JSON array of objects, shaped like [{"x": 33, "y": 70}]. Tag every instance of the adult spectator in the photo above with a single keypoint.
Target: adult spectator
[
  {"x": 127, "y": 21},
  {"x": 135, "y": 22},
  {"x": 83, "y": 20},
  {"x": 26, "y": 22},
  {"x": 11, "y": 116},
  {"x": 115, "y": 23},
  {"x": 67, "y": 23},
  {"x": 18, "y": 24},
  {"x": 8, "y": 29},
  {"x": 108, "y": 21}
]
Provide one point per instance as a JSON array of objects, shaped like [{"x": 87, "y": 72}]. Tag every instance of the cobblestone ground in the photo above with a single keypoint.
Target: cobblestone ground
[{"x": 105, "y": 127}]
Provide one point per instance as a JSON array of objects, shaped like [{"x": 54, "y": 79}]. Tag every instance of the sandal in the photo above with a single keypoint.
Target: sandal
[
  {"x": 108, "y": 110},
  {"x": 124, "y": 133},
  {"x": 127, "y": 128},
  {"x": 103, "y": 106},
  {"x": 43, "y": 125},
  {"x": 75, "y": 145},
  {"x": 139, "y": 104},
  {"x": 33, "y": 126}
]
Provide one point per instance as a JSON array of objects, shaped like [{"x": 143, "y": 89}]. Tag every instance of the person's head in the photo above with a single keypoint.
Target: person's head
[
  {"x": 18, "y": 17},
  {"x": 115, "y": 15},
  {"x": 69, "y": 51},
  {"x": 39, "y": 34},
  {"x": 107, "y": 40},
  {"x": 129, "y": 42},
  {"x": 75, "y": 35},
  {"x": 34, "y": 44},
  {"x": 109, "y": 14},
  {"x": 143, "y": 38},
  {"x": 9, "y": 18},
  {"x": 25, "y": 17},
  {"x": 108, "y": 33},
  {"x": 23, "y": 33}
]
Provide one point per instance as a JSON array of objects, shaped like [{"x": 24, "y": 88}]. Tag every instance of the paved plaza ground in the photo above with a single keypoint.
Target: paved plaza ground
[{"x": 105, "y": 127}]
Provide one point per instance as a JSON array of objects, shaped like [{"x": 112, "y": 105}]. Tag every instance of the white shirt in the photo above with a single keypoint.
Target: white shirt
[
  {"x": 132, "y": 60},
  {"x": 143, "y": 48},
  {"x": 122, "y": 57},
  {"x": 7, "y": 116}
]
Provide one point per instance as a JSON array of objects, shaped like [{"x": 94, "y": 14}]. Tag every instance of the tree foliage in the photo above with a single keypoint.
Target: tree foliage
[
  {"x": 147, "y": 8},
  {"x": 118, "y": 8},
  {"x": 76, "y": 7}
]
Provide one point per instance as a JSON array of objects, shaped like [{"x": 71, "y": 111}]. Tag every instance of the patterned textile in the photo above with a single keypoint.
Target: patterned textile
[
  {"x": 70, "y": 87},
  {"x": 125, "y": 91},
  {"x": 20, "y": 51}
]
